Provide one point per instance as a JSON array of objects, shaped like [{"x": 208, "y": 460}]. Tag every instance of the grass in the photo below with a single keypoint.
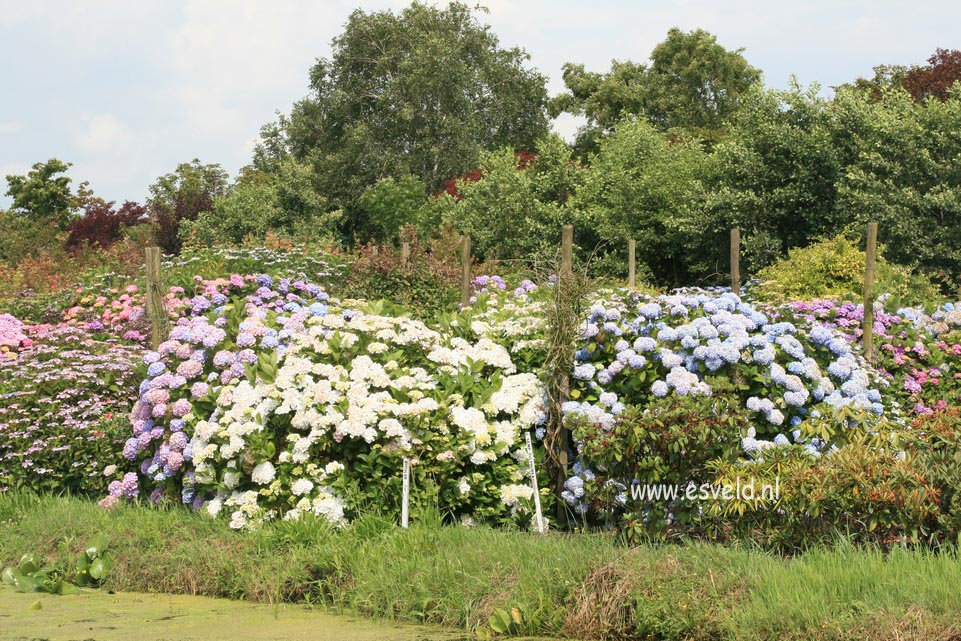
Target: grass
[{"x": 566, "y": 585}]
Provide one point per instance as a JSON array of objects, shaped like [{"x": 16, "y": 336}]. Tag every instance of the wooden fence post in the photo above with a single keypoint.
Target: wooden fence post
[
  {"x": 632, "y": 263},
  {"x": 465, "y": 262},
  {"x": 736, "y": 261},
  {"x": 869, "y": 265},
  {"x": 156, "y": 311},
  {"x": 405, "y": 254},
  {"x": 564, "y": 383}
]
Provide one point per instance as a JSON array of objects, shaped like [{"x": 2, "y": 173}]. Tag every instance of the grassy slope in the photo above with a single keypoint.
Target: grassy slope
[{"x": 576, "y": 586}]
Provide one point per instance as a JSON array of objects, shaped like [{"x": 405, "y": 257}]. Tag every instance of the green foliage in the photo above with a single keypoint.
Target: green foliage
[
  {"x": 692, "y": 84},
  {"x": 514, "y": 212},
  {"x": 23, "y": 237},
  {"x": 776, "y": 176},
  {"x": 43, "y": 196},
  {"x": 284, "y": 202},
  {"x": 603, "y": 98},
  {"x": 389, "y": 205},
  {"x": 420, "y": 92},
  {"x": 834, "y": 268},
  {"x": 904, "y": 174},
  {"x": 31, "y": 574},
  {"x": 644, "y": 187}
]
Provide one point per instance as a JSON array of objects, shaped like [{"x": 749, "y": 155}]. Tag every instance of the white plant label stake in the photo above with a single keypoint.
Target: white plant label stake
[
  {"x": 405, "y": 500},
  {"x": 537, "y": 494}
]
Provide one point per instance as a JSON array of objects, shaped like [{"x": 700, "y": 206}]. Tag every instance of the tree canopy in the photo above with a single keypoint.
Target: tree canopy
[
  {"x": 421, "y": 92},
  {"x": 693, "y": 83}
]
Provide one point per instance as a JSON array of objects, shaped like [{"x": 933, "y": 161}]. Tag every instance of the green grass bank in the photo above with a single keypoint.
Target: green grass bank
[{"x": 576, "y": 586}]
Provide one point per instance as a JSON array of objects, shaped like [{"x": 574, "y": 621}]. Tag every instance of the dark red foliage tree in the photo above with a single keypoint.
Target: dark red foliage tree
[
  {"x": 935, "y": 79},
  {"x": 102, "y": 225}
]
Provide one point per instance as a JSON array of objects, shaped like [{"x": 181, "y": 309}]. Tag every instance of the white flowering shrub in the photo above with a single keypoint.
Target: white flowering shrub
[{"x": 314, "y": 409}]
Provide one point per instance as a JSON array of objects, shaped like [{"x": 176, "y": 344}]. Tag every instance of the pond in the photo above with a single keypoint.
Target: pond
[{"x": 101, "y": 616}]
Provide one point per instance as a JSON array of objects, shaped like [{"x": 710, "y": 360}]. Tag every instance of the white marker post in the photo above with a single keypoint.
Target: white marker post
[
  {"x": 537, "y": 495},
  {"x": 405, "y": 500}
]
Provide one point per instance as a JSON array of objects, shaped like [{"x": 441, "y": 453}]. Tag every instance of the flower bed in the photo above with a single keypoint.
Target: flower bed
[
  {"x": 269, "y": 409},
  {"x": 62, "y": 411}
]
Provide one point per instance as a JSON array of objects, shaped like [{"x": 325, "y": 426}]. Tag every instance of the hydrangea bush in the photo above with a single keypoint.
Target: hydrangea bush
[
  {"x": 264, "y": 411},
  {"x": 918, "y": 352},
  {"x": 635, "y": 349},
  {"x": 62, "y": 409}
]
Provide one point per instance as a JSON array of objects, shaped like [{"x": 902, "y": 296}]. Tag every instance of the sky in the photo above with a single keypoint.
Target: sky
[{"x": 128, "y": 90}]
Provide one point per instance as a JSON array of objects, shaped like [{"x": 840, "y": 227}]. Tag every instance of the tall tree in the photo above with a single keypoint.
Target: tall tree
[
  {"x": 695, "y": 83},
  {"x": 421, "y": 92},
  {"x": 906, "y": 175},
  {"x": 775, "y": 176},
  {"x": 602, "y": 98},
  {"x": 692, "y": 83}
]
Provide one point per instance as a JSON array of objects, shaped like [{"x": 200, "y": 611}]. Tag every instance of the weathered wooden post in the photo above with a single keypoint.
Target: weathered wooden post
[
  {"x": 736, "y": 261},
  {"x": 465, "y": 262},
  {"x": 405, "y": 254},
  {"x": 564, "y": 384},
  {"x": 156, "y": 311},
  {"x": 869, "y": 265},
  {"x": 632, "y": 263}
]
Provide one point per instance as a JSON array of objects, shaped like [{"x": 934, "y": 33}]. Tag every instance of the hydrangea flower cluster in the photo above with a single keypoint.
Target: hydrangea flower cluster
[
  {"x": 918, "y": 352},
  {"x": 635, "y": 347}
]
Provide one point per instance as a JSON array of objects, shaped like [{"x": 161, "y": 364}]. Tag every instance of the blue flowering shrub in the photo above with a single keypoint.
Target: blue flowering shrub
[
  {"x": 635, "y": 350},
  {"x": 672, "y": 441}
]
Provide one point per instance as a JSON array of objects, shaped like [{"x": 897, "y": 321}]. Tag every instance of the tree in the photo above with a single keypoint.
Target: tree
[
  {"x": 775, "y": 177},
  {"x": 183, "y": 195},
  {"x": 283, "y": 201},
  {"x": 44, "y": 196},
  {"x": 906, "y": 175},
  {"x": 421, "y": 93},
  {"x": 516, "y": 207},
  {"x": 603, "y": 98},
  {"x": 934, "y": 80},
  {"x": 886, "y": 78},
  {"x": 645, "y": 187},
  {"x": 692, "y": 83},
  {"x": 390, "y": 204}
]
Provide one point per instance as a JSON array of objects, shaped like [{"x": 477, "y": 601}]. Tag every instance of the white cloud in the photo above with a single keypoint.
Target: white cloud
[
  {"x": 11, "y": 127},
  {"x": 104, "y": 133}
]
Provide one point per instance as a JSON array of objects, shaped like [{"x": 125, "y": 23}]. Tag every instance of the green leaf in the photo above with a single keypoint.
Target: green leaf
[
  {"x": 99, "y": 569},
  {"x": 97, "y": 546},
  {"x": 500, "y": 621},
  {"x": 25, "y": 583},
  {"x": 36, "y": 605},
  {"x": 68, "y": 588},
  {"x": 29, "y": 563},
  {"x": 9, "y": 576}
]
